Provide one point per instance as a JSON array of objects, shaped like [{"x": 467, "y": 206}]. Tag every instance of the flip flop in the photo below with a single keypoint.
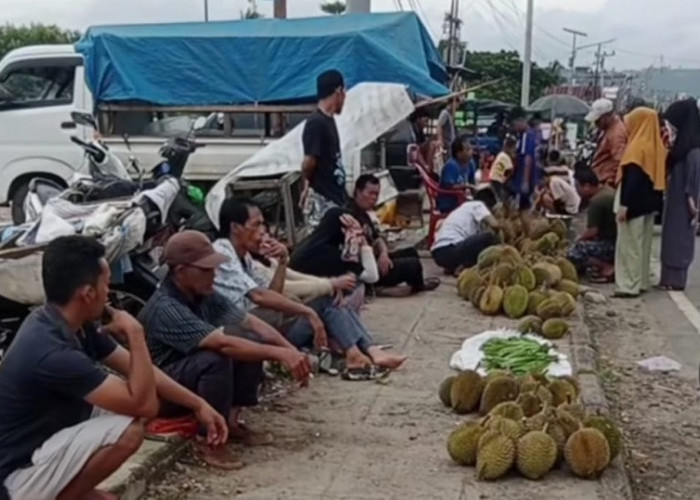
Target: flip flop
[
  {"x": 431, "y": 284},
  {"x": 625, "y": 295},
  {"x": 599, "y": 279},
  {"x": 372, "y": 372}
]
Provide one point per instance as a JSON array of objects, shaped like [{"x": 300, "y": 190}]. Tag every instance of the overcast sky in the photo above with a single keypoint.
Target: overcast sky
[{"x": 645, "y": 30}]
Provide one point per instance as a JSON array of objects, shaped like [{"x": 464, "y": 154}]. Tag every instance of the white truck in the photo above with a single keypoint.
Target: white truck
[{"x": 41, "y": 85}]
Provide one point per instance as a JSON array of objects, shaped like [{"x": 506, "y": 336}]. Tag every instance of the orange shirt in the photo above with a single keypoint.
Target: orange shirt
[{"x": 609, "y": 152}]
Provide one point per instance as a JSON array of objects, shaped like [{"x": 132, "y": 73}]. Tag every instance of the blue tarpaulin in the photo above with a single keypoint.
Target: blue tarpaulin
[{"x": 258, "y": 60}]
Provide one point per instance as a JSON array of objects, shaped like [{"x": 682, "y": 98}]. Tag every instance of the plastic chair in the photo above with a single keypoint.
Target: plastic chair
[{"x": 433, "y": 189}]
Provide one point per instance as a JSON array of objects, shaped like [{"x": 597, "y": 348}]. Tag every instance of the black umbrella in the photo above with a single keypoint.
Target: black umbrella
[{"x": 560, "y": 105}]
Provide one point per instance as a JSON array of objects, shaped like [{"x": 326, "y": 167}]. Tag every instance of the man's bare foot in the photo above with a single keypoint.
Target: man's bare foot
[
  {"x": 220, "y": 457},
  {"x": 354, "y": 359},
  {"x": 99, "y": 495},
  {"x": 386, "y": 360},
  {"x": 241, "y": 433}
]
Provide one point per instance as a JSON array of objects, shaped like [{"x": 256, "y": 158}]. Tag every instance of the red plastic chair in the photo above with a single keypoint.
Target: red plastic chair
[{"x": 433, "y": 189}]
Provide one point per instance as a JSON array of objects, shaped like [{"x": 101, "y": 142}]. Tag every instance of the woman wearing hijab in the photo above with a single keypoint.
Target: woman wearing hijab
[
  {"x": 682, "y": 195},
  {"x": 641, "y": 180}
]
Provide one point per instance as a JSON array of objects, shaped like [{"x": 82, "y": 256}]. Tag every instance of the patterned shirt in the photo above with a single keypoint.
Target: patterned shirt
[
  {"x": 237, "y": 277},
  {"x": 175, "y": 327}
]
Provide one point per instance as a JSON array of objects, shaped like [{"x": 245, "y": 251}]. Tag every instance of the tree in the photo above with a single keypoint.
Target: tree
[
  {"x": 507, "y": 64},
  {"x": 333, "y": 8},
  {"x": 13, "y": 37},
  {"x": 252, "y": 11}
]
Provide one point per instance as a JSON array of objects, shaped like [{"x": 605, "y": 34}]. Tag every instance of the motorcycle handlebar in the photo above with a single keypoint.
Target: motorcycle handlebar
[{"x": 95, "y": 153}]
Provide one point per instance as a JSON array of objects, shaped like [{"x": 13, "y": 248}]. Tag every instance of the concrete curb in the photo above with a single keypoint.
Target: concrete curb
[
  {"x": 584, "y": 358},
  {"x": 151, "y": 461}
]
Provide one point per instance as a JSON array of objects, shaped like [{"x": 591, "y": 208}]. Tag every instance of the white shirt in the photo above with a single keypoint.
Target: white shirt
[
  {"x": 563, "y": 191},
  {"x": 463, "y": 222},
  {"x": 235, "y": 279}
]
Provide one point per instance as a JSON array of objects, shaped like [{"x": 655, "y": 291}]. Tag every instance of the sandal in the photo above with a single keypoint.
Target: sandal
[
  {"x": 326, "y": 364},
  {"x": 371, "y": 372},
  {"x": 601, "y": 279},
  {"x": 431, "y": 284},
  {"x": 625, "y": 295}
]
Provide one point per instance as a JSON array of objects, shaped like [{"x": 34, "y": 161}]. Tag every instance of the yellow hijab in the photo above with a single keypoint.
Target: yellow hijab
[{"x": 645, "y": 147}]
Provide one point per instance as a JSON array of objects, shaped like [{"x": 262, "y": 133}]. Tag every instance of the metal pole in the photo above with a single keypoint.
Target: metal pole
[
  {"x": 572, "y": 68},
  {"x": 206, "y": 11},
  {"x": 279, "y": 9},
  {"x": 527, "y": 62}
]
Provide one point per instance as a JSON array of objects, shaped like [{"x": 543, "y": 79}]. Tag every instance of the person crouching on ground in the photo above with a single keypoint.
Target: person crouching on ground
[
  {"x": 558, "y": 194},
  {"x": 194, "y": 336},
  {"x": 466, "y": 232},
  {"x": 502, "y": 169},
  {"x": 458, "y": 174},
  {"x": 242, "y": 233},
  {"x": 66, "y": 424},
  {"x": 594, "y": 250},
  {"x": 395, "y": 268}
]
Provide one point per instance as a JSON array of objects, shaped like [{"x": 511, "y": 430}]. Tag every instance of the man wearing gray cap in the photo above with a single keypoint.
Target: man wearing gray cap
[
  {"x": 611, "y": 142},
  {"x": 191, "y": 334}
]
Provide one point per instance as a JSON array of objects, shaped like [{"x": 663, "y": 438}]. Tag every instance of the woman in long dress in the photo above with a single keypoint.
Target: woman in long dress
[
  {"x": 641, "y": 180},
  {"x": 682, "y": 195}
]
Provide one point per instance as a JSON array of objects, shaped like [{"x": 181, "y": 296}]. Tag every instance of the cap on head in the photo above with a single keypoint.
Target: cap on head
[
  {"x": 328, "y": 82},
  {"x": 192, "y": 248},
  {"x": 598, "y": 109}
]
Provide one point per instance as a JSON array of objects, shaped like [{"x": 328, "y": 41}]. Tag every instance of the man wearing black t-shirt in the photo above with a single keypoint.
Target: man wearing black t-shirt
[{"x": 322, "y": 166}]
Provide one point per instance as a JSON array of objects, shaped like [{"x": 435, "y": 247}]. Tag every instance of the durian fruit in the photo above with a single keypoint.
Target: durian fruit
[
  {"x": 491, "y": 301},
  {"x": 559, "y": 228},
  {"x": 463, "y": 441},
  {"x": 547, "y": 243},
  {"x": 509, "y": 427},
  {"x": 497, "y": 391},
  {"x": 476, "y": 294},
  {"x": 466, "y": 390},
  {"x": 526, "y": 246},
  {"x": 536, "y": 454},
  {"x": 530, "y": 324},
  {"x": 531, "y": 381},
  {"x": 515, "y": 299},
  {"x": 609, "y": 429},
  {"x": 530, "y": 403},
  {"x": 576, "y": 410},
  {"x": 467, "y": 281},
  {"x": 500, "y": 275},
  {"x": 570, "y": 287},
  {"x": 538, "y": 228},
  {"x": 445, "y": 390},
  {"x": 495, "y": 455},
  {"x": 488, "y": 257},
  {"x": 562, "y": 391},
  {"x": 566, "y": 421},
  {"x": 546, "y": 273},
  {"x": 574, "y": 383},
  {"x": 508, "y": 409},
  {"x": 497, "y": 373},
  {"x": 566, "y": 301},
  {"x": 554, "y": 328},
  {"x": 534, "y": 300},
  {"x": 511, "y": 255},
  {"x": 568, "y": 270},
  {"x": 549, "y": 309},
  {"x": 524, "y": 277},
  {"x": 587, "y": 453}
]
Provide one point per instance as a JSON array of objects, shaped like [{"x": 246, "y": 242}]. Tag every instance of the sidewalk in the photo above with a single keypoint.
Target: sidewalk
[{"x": 341, "y": 440}]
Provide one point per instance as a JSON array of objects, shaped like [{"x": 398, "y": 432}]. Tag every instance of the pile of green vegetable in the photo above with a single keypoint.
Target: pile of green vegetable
[{"x": 518, "y": 355}]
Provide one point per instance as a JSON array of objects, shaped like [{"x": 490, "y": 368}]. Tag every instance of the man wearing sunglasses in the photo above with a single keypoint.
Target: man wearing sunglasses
[{"x": 195, "y": 335}]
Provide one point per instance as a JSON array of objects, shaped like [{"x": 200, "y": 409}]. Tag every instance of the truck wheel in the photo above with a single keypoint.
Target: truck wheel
[{"x": 17, "y": 203}]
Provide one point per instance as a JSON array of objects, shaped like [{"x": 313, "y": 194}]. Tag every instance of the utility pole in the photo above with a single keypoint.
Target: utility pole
[
  {"x": 451, "y": 28},
  {"x": 357, "y": 7},
  {"x": 572, "y": 59},
  {"x": 279, "y": 9},
  {"x": 527, "y": 63},
  {"x": 206, "y": 11},
  {"x": 600, "y": 57}
]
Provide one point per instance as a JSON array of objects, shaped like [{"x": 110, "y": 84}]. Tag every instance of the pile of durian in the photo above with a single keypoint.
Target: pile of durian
[
  {"x": 527, "y": 277},
  {"x": 532, "y": 424}
]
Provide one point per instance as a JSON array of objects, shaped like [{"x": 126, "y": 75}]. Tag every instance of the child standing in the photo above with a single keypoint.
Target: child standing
[{"x": 502, "y": 168}]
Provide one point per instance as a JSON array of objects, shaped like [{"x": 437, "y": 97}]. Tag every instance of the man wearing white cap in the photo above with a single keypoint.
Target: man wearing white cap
[{"x": 611, "y": 143}]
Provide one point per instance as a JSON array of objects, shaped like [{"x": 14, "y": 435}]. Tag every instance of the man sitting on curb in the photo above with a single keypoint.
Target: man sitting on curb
[
  {"x": 462, "y": 237},
  {"x": 395, "y": 268},
  {"x": 595, "y": 248},
  {"x": 189, "y": 330},
  {"x": 242, "y": 233},
  {"x": 65, "y": 423}
]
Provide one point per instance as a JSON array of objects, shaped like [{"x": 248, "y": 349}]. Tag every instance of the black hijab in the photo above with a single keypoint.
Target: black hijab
[{"x": 685, "y": 116}]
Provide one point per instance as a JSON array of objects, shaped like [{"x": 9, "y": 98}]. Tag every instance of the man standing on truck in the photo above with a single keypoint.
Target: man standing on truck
[{"x": 322, "y": 167}]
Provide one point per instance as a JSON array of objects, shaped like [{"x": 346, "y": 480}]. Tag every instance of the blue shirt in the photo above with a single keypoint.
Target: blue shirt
[
  {"x": 454, "y": 174},
  {"x": 527, "y": 148}
]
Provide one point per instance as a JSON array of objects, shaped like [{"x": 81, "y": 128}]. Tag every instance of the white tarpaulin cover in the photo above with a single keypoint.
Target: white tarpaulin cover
[
  {"x": 470, "y": 354},
  {"x": 371, "y": 109}
]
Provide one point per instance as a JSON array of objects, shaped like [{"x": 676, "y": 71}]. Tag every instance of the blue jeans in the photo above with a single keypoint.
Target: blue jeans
[{"x": 343, "y": 326}]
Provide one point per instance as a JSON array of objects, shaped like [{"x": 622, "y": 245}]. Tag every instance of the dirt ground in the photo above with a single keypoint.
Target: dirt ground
[
  {"x": 345, "y": 440},
  {"x": 659, "y": 412}
]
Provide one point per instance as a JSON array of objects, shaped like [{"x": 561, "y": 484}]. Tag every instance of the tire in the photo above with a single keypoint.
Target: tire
[{"x": 17, "y": 203}]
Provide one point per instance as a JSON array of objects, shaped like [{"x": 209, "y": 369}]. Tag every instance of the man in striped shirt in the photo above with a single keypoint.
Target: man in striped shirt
[{"x": 194, "y": 335}]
